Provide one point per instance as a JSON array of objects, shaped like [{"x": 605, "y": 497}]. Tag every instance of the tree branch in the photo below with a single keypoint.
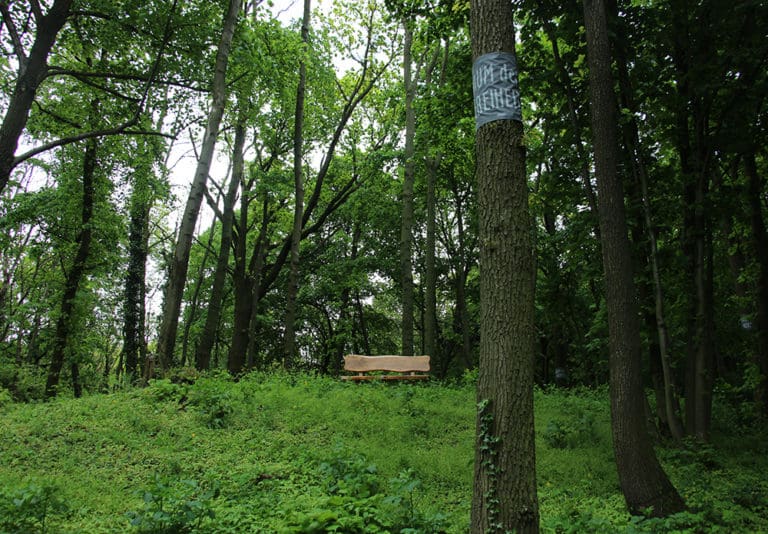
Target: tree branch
[
  {"x": 122, "y": 128},
  {"x": 18, "y": 48}
]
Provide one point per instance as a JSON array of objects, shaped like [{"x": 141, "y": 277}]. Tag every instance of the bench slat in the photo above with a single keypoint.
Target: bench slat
[{"x": 401, "y": 364}]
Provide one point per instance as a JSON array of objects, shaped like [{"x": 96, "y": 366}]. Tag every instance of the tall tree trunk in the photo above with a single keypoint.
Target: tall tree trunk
[
  {"x": 669, "y": 401},
  {"x": 32, "y": 71},
  {"x": 135, "y": 278},
  {"x": 207, "y": 338},
  {"x": 290, "y": 354},
  {"x": 430, "y": 272},
  {"x": 760, "y": 240},
  {"x": 694, "y": 152},
  {"x": 75, "y": 275},
  {"x": 504, "y": 497},
  {"x": 180, "y": 262},
  {"x": 642, "y": 480},
  {"x": 409, "y": 172},
  {"x": 246, "y": 281}
]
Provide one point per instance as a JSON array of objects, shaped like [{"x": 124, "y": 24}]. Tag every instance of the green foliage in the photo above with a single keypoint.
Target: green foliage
[
  {"x": 163, "y": 389},
  {"x": 30, "y": 508},
  {"x": 214, "y": 400},
  {"x": 174, "y": 507},
  {"x": 358, "y": 502},
  {"x": 5, "y": 397},
  {"x": 575, "y": 431},
  {"x": 304, "y": 453}
]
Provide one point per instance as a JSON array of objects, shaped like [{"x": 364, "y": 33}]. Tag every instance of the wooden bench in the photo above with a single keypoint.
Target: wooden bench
[{"x": 395, "y": 367}]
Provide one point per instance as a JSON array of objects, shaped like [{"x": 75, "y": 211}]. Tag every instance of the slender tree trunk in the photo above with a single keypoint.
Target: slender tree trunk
[
  {"x": 290, "y": 354},
  {"x": 642, "y": 480},
  {"x": 760, "y": 240},
  {"x": 430, "y": 272},
  {"x": 207, "y": 338},
  {"x": 180, "y": 262},
  {"x": 409, "y": 172},
  {"x": 75, "y": 275},
  {"x": 32, "y": 71},
  {"x": 632, "y": 141},
  {"x": 504, "y": 497}
]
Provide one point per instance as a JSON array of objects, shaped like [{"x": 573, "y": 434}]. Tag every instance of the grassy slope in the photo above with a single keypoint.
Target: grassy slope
[{"x": 101, "y": 452}]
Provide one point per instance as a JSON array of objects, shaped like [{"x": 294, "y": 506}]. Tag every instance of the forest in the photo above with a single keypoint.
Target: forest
[{"x": 205, "y": 205}]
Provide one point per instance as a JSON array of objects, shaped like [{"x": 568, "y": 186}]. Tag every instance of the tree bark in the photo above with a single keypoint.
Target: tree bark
[
  {"x": 409, "y": 172},
  {"x": 504, "y": 497},
  {"x": 670, "y": 401},
  {"x": 207, "y": 338},
  {"x": 642, "y": 480},
  {"x": 430, "y": 271},
  {"x": 180, "y": 262},
  {"x": 32, "y": 71},
  {"x": 290, "y": 353},
  {"x": 760, "y": 243},
  {"x": 75, "y": 275}
]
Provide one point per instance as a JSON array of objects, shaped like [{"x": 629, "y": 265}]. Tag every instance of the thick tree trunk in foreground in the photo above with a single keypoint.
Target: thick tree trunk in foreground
[
  {"x": 504, "y": 496},
  {"x": 177, "y": 275},
  {"x": 642, "y": 480}
]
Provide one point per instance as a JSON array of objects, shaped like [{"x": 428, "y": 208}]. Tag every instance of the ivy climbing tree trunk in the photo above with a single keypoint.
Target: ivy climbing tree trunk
[
  {"x": 135, "y": 277},
  {"x": 504, "y": 497},
  {"x": 643, "y": 481},
  {"x": 72, "y": 281},
  {"x": 180, "y": 262}
]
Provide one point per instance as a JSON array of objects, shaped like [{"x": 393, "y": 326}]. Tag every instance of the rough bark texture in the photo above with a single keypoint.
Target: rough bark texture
[
  {"x": 180, "y": 262},
  {"x": 290, "y": 354},
  {"x": 504, "y": 496},
  {"x": 72, "y": 281},
  {"x": 642, "y": 480},
  {"x": 32, "y": 71}
]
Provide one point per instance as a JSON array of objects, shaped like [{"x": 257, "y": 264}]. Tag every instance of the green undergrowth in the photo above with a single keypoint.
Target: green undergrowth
[{"x": 300, "y": 454}]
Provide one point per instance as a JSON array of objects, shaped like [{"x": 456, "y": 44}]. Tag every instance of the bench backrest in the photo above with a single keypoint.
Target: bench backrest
[{"x": 402, "y": 364}]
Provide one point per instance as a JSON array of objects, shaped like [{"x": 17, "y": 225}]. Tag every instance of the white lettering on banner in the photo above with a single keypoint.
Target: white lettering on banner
[{"x": 495, "y": 88}]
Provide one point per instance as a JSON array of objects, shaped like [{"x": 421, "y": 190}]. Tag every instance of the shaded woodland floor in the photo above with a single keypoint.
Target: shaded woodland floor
[{"x": 299, "y": 453}]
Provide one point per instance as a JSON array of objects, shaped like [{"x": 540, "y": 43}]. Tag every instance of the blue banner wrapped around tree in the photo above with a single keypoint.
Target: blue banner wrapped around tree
[{"x": 495, "y": 88}]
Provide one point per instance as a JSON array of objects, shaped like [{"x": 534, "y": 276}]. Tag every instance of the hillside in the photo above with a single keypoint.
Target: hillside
[{"x": 299, "y": 453}]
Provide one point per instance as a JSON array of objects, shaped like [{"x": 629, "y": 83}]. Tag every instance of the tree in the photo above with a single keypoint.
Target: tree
[
  {"x": 643, "y": 481},
  {"x": 180, "y": 261},
  {"x": 32, "y": 70},
  {"x": 289, "y": 341},
  {"x": 409, "y": 176},
  {"x": 504, "y": 497}
]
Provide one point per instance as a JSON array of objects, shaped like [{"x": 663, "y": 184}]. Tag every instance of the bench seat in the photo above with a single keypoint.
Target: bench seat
[{"x": 393, "y": 367}]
